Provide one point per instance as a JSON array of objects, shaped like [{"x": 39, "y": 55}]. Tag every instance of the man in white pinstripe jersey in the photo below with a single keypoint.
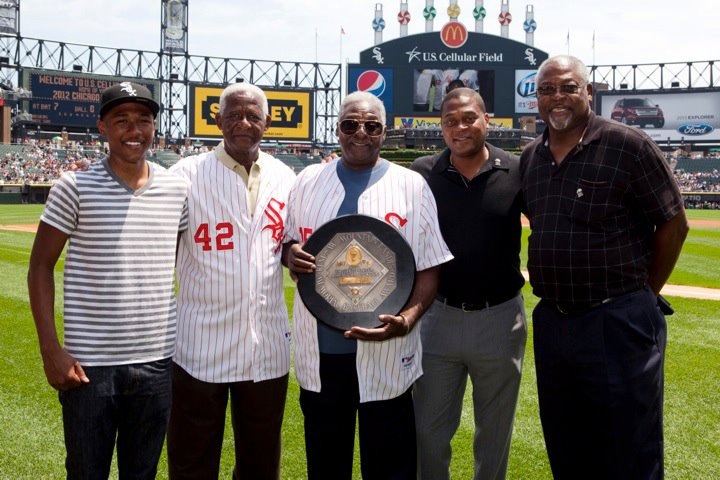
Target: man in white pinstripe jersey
[
  {"x": 233, "y": 332},
  {"x": 363, "y": 372}
]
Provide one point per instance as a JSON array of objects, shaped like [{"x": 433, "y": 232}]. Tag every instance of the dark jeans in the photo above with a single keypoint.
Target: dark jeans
[
  {"x": 600, "y": 388},
  {"x": 130, "y": 402},
  {"x": 386, "y": 428},
  {"x": 197, "y": 425}
]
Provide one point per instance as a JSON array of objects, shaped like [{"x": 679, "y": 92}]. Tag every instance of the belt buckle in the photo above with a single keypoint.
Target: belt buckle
[
  {"x": 474, "y": 307},
  {"x": 586, "y": 308},
  {"x": 561, "y": 310}
]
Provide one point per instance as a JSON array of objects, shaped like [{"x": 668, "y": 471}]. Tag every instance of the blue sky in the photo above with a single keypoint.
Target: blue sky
[{"x": 625, "y": 31}]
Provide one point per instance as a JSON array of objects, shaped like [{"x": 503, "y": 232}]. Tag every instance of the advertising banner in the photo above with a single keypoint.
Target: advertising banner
[
  {"x": 9, "y": 16},
  {"x": 672, "y": 117},
  {"x": 174, "y": 26},
  {"x": 525, "y": 91},
  {"x": 416, "y": 122},
  {"x": 378, "y": 81},
  {"x": 434, "y": 122},
  {"x": 291, "y": 112}
]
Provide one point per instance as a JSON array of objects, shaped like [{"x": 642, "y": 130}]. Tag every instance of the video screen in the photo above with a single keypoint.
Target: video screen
[{"x": 431, "y": 85}]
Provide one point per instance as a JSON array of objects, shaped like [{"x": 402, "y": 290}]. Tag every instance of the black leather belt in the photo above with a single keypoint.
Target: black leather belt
[
  {"x": 577, "y": 308},
  {"x": 473, "y": 306},
  {"x": 580, "y": 308}
]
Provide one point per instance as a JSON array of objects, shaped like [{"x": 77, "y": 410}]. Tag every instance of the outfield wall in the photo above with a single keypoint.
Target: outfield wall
[{"x": 37, "y": 193}]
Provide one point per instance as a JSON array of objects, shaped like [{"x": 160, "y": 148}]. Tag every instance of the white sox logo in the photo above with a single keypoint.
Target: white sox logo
[
  {"x": 276, "y": 225},
  {"x": 377, "y": 55},
  {"x": 530, "y": 56},
  {"x": 128, "y": 88}
]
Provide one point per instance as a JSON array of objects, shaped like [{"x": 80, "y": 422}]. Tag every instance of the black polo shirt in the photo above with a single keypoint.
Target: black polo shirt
[
  {"x": 593, "y": 217},
  {"x": 480, "y": 222}
]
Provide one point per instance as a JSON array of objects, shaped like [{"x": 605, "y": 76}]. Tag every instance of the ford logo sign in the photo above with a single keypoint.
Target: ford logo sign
[
  {"x": 526, "y": 87},
  {"x": 695, "y": 129}
]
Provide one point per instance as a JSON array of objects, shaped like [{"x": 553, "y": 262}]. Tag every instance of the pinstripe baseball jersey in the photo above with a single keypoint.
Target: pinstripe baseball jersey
[
  {"x": 232, "y": 319},
  {"x": 403, "y": 199}
]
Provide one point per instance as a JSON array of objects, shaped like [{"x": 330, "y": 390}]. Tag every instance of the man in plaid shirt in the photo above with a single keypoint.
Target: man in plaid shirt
[{"x": 607, "y": 225}]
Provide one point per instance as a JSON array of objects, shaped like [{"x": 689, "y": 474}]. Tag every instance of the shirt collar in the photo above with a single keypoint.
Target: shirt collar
[
  {"x": 592, "y": 131},
  {"x": 496, "y": 160},
  {"x": 230, "y": 163}
]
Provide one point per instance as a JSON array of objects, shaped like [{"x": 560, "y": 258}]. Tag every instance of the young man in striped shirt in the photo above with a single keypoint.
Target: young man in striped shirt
[{"x": 121, "y": 219}]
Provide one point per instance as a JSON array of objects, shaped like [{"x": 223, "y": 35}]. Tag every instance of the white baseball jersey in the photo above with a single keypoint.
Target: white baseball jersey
[
  {"x": 232, "y": 319},
  {"x": 402, "y": 198}
]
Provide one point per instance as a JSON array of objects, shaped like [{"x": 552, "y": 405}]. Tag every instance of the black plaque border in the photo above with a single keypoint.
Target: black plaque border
[{"x": 404, "y": 261}]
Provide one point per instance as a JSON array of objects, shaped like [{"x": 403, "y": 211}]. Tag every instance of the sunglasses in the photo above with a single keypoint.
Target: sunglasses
[
  {"x": 371, "y": 127},
  {"x": 547, "y": 89}
]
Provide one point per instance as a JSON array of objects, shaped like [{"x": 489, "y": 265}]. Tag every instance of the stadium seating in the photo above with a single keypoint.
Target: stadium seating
[{"x": 705, "y": 164}]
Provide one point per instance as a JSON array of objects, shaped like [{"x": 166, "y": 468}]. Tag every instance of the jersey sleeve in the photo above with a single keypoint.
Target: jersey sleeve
[{"x": 433, "y": 251}]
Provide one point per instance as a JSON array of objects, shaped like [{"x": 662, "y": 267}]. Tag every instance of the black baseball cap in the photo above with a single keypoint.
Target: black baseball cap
[{"x": 127, "y": 92}]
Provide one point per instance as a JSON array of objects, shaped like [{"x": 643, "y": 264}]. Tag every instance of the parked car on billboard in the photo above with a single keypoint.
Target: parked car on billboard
[{"x": 638, "y": 111}]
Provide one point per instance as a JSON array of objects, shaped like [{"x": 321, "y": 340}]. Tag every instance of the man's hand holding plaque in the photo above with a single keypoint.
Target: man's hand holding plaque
[{"x": 355, "y": 273}]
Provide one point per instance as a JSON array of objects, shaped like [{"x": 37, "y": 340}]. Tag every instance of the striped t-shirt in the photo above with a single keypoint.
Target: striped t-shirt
[{"x": 119, "y": 299}]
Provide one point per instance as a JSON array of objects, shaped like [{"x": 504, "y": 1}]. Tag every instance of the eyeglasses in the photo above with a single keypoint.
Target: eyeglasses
[
  {"x": 371, "y": 127},
  {"x": 547, "y": 89}
]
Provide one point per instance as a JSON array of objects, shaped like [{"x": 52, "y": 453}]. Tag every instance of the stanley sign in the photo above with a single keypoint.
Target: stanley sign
[{"x": 291, "y": 113}]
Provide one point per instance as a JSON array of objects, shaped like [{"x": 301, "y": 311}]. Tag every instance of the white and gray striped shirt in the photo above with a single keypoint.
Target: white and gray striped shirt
[{"x": 119, "y": 299}]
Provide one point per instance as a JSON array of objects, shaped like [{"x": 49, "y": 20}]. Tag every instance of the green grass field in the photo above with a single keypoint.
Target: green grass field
[{"x": 31, "y": 442}]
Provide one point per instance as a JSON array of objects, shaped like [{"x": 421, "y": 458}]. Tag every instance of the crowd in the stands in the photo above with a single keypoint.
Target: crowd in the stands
[{"x": 43, "y": 163}]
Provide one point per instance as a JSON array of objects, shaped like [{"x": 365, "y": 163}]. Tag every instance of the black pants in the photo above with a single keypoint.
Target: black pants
[
  {"x": 600, "y": 388},
  {"x": 197, "y": 425},
  {"x": 386, "y": 428}
]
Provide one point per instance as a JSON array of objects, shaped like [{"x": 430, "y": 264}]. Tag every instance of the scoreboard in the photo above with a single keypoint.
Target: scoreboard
[
  {"x": 70, "y": 99},
  {"x": 411, "y": 74}
]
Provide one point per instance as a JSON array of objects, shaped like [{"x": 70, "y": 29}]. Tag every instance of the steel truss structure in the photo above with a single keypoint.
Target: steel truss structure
[
  {"x": 176, "y": 72},
  {"x": 658, "y": 76}
]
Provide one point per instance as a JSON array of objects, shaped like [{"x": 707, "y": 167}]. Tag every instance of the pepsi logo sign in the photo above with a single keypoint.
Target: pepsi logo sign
[
  {"x": 371, "y": 81},
  {"x": 527, "y": 86},
  {"x": 695, "y": 129}
]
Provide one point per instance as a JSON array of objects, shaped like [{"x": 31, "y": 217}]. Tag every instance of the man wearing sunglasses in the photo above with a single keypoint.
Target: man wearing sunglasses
[
  {"x": 607, "y": 225},
  {"x": 363, "y": 373},
  {"x": 476, "y": 327}
]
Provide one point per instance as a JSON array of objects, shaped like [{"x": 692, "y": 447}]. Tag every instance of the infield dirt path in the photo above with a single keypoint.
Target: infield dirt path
[{"x": 671, "y": 290}]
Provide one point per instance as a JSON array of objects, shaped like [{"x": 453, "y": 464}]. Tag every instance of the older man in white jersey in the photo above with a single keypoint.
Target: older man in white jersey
[
  {"x": 361, "y": 372},
  {"x": 121, "y": 218},
  {"x": 233, "y": 332}
]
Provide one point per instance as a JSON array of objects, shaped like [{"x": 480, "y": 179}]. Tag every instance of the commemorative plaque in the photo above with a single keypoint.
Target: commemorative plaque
[{"x": 364, "y": 268}]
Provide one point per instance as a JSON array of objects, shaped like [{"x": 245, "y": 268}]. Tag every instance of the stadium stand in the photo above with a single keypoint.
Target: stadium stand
[
  {"x": 704, "y": 164},
  {"x": 166, "y": 158},
  {"x": 27, "y": 170}
]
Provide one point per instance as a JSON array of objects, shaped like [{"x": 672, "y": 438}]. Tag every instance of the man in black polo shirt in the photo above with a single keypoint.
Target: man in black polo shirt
[
  {"x": 607, "y": 224},
  {"x": 476, "y": 326}
]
